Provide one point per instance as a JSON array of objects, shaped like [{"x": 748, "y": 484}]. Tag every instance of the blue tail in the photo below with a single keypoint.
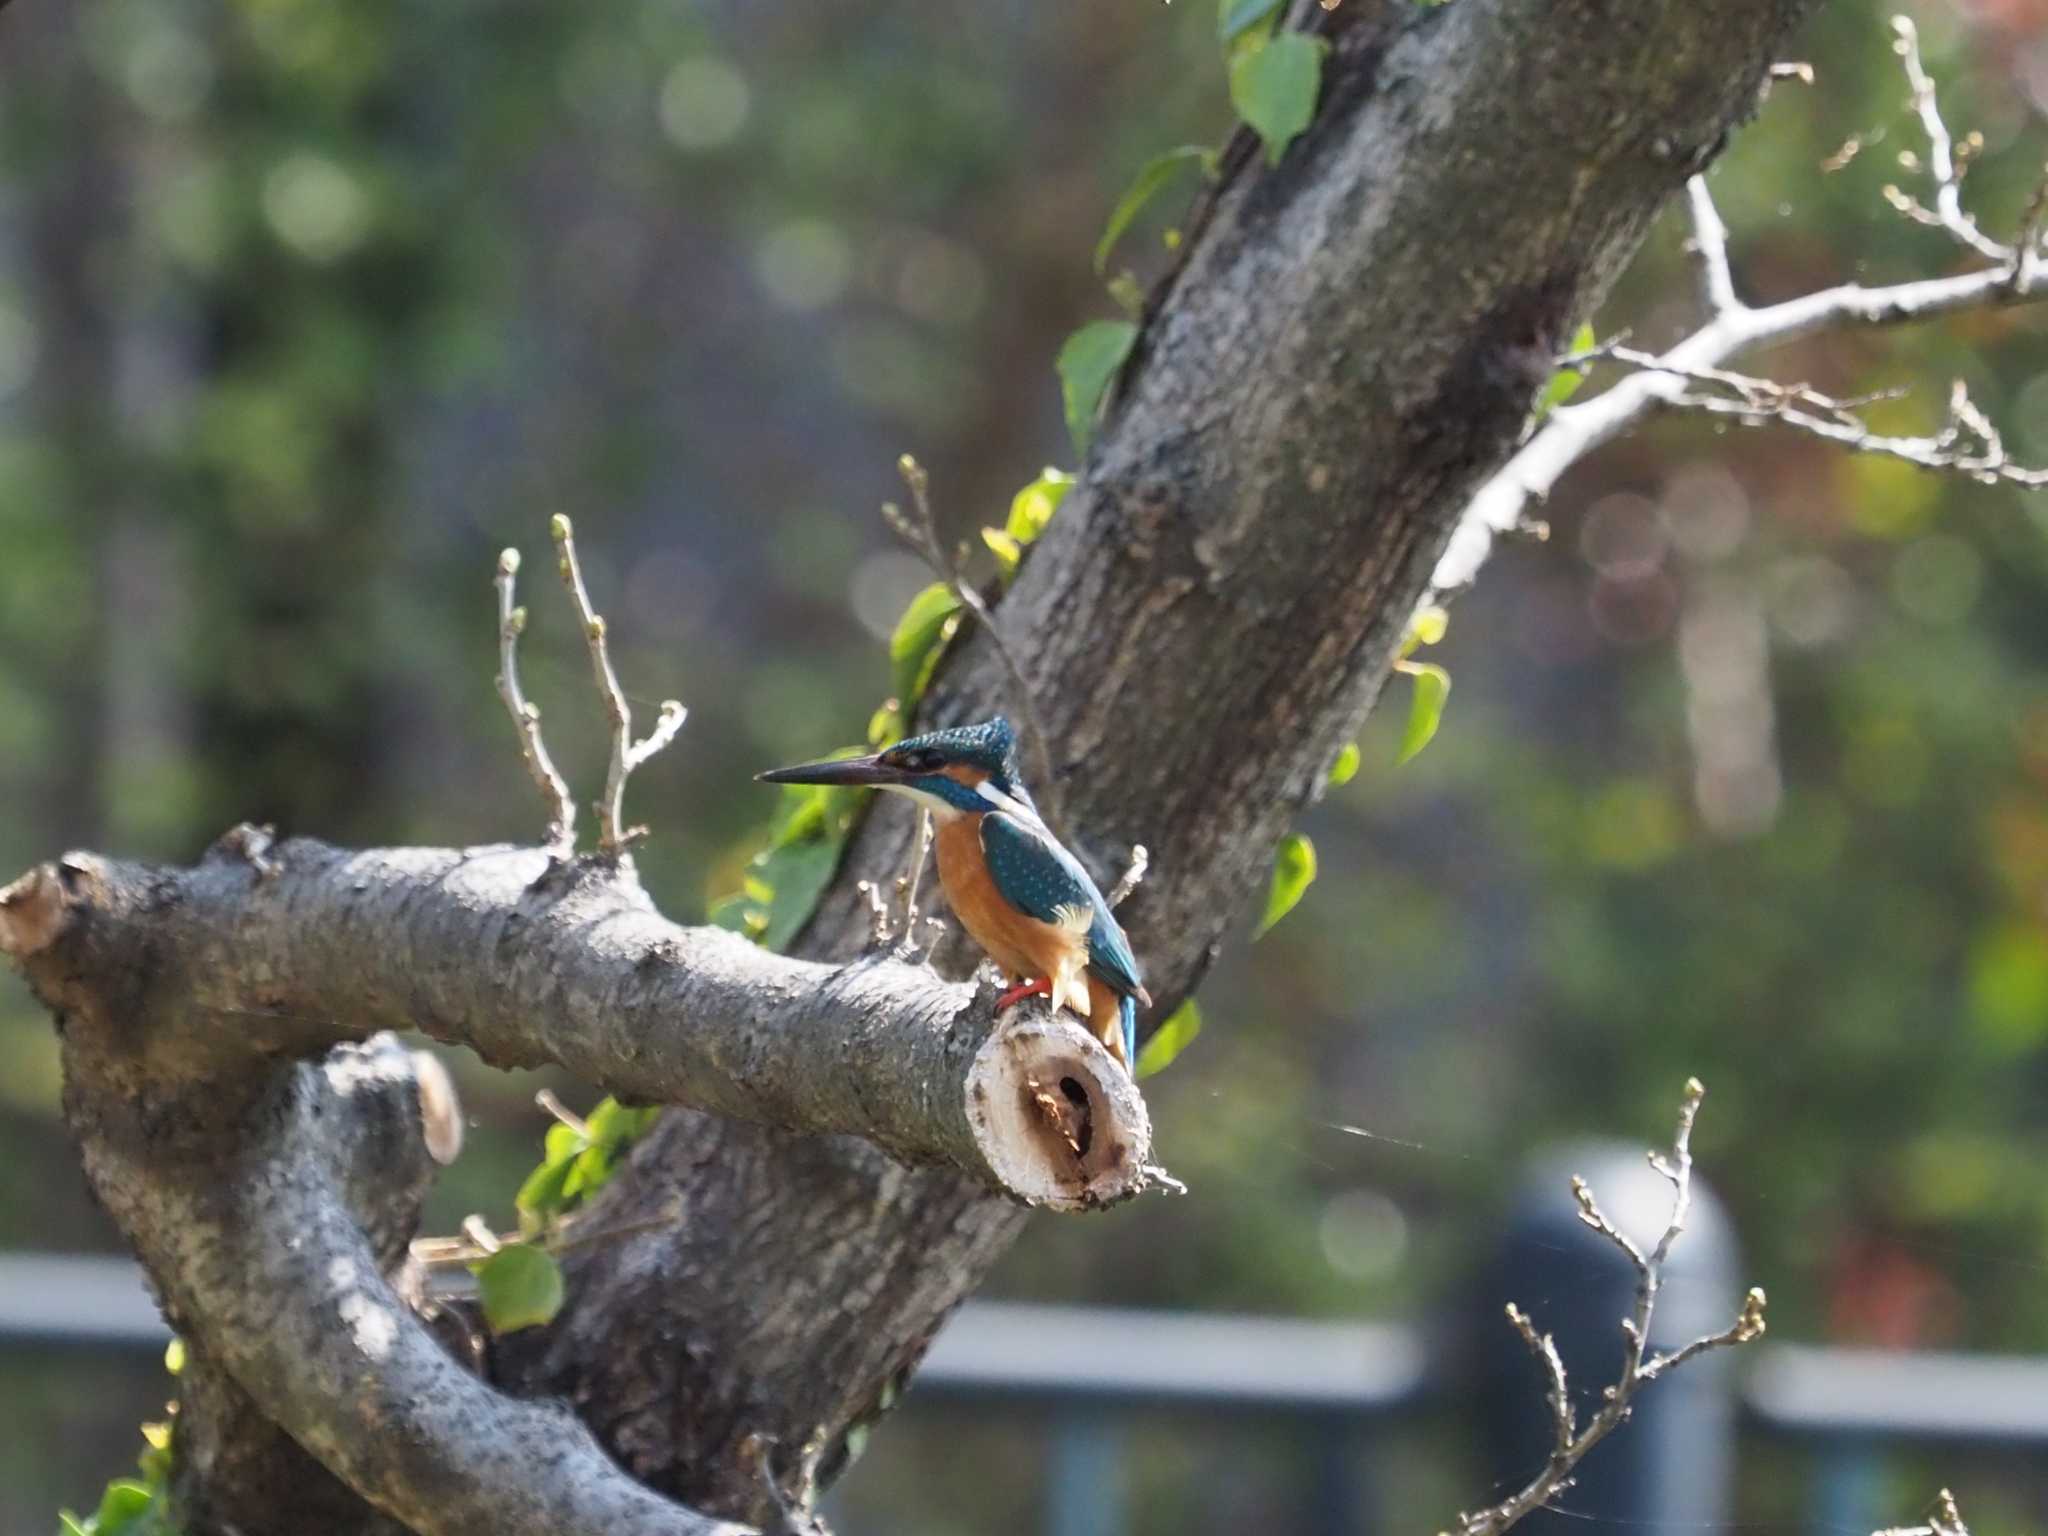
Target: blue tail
[{"x": 1127, "y": 1009}]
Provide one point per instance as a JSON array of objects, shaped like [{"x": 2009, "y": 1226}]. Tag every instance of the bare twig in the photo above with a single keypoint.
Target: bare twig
[
  {"x": 1132, "y": 877},
  {"x": 919, "y": 529},
  {"x": 1944, "y": 166},
  {"x": 880, "y": 928},
  {"x": 1945, "y": 1519},
  {"x": 913, "y": 876},
  {"x": 2033, "y": 228},
  {"x": 1967, "y": 443},
  {"x": 1572, "y": 431},
  {"x": 533, "y": 751},
  {"x": 613, "y": 836},
  {"x": 1569, "y": 1441},
  {"x": 562, "y": 1113}
]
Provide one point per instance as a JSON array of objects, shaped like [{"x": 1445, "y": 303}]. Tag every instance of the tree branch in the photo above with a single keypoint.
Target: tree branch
[
  {"x": 265, "y": 1266},
  {"x": 584, "y": 974},
  {"x": 1945, "y": 1520},
  {"x": 533, "y": 750},
  {"x": 1569, "y": 1442},
  {"x": 1967, "y": 443},
  {"x": 613, "y": 835},
  {"x": 1573, "y": 431}
]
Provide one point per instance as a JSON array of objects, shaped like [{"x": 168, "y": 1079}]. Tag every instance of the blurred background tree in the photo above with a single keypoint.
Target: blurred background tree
[{"x": 305, "y": 312}]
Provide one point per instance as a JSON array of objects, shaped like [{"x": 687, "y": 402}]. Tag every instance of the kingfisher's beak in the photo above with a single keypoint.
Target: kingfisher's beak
[{"x": 838, "y": 770}]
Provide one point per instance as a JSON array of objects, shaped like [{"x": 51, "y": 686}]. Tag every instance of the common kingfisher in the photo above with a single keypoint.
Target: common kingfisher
[{"x": 1024, "y": 898}]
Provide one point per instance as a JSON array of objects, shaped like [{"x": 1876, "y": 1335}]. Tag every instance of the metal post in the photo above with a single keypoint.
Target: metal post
[
  {"x": 1672, "y": 1464},
  {"x": 1084, "y": 1492}
]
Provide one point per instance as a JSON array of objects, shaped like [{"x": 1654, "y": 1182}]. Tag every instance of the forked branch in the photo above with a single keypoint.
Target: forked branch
[
  {"x": 613, "y": 835},
  {"x": 1966, "y": 445},
  {"x": 1569, "y": 1440}
]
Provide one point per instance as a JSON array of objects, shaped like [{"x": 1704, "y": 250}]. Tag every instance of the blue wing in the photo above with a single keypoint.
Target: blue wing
[{"x": 1037, "y": 876}]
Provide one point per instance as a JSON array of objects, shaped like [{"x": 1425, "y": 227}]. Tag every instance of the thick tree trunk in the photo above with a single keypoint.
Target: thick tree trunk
[{"x": 1348, "y": 350}]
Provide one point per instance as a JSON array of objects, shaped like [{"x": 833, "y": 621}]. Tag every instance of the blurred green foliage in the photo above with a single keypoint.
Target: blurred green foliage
[{"x": 305, "y": 313}]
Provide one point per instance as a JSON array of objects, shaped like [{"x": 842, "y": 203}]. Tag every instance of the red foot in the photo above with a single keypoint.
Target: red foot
[{"x": 1022, "y": 990}]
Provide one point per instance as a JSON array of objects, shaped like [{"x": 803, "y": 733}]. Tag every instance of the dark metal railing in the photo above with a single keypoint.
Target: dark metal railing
[{"x": 1093, "y": 1369}]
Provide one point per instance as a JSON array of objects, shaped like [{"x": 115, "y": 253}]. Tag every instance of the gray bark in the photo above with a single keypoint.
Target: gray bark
[{"x": 1347, "y": 352}]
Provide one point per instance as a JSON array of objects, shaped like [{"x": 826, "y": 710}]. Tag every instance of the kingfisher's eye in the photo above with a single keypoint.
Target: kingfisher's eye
[{"x": 923, "y": 760}]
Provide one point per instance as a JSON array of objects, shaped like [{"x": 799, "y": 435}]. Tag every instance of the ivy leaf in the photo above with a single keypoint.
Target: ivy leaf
[
  {"x": 1294, "y": 870},
  {"x": 1032, "y": 508},
  {"x": 1236, "y": 17},
  {"x": 545, "y": 1192},
  {"x": 614, "y": 1127},
  {"x": 1006, "y": 550},
  {"x": 1088, "y": 360},
  {"x": 1151, "y": 179},
  {"x": 1426, "y": 709},
  {"x": 1274, "y": 89},
  {"x": 1566, "y": 381},
  {"x": 1428, "y": 627},
  {"x": 1170, "y": 1039},
  {"x": 520, "y": 1286},
  {"x": 798, "y": 875},
  {"x": 124, "y": 1502},
  {"x": 919, "y": 637},
  {"x": 1345, "y": 769},
  {"x": 739, "y": 913}
]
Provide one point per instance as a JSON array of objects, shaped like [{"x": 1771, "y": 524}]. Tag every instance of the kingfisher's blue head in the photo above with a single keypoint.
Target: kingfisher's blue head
[{"x": 958, "y": 771}]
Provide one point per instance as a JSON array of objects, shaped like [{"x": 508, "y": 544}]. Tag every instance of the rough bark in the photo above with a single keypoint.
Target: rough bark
[
  {"x": 277, "y": 951},
  {"x": 1348, "y": 350}
]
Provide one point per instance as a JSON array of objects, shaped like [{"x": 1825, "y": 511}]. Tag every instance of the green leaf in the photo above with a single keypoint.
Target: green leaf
[
  {"x": 68, "y": 1524},
  {"x": 1294, "y": 870},
  {"x": 799, "y": 874},
  {"x": 1032, "y": 508},
  {"x": 885, "y": 726},
  {"x": 920, "y": 636},
  {"x": 1274, "y": 89},
  {"x": 1005, "y": 548},
  {"x": 1151, "y": 179},
  {"x": 614, "y": 1127},
  {"x": 1566, "y": 381},
  {"x": 1170, "y": 1039},
  {"x": 545, "y": 1192},
  {"x": 1235, "y": 17},
  {"x": 739, "y": 913},
  {"x": 1088, "y": 361},
  {"x": 1426, "y": 709},
  {"x": 563, "y": 1142},
  {"x": 174, "y": 1355},
  {"x": 124, "y": 1502},
  {"x": 1345, "y": 769},
  {"x": 1428, "y": 627},
  {"x": 520, "y": 1286},
  {"x": 587, "y": 1173}
]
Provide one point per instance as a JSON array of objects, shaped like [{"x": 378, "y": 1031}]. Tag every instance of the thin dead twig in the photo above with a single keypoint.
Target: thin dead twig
[
  {"x": 613, "y": 836},
  {"x": 1944, "y": 166},
  {"x": 1569, "y": 1440},
  {"x": 919, "y": 529},
  {"x": 554, "y": 789}
]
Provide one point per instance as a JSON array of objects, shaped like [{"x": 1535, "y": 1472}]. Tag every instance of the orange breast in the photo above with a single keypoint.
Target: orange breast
[{"x": 1020, "y": 944}]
